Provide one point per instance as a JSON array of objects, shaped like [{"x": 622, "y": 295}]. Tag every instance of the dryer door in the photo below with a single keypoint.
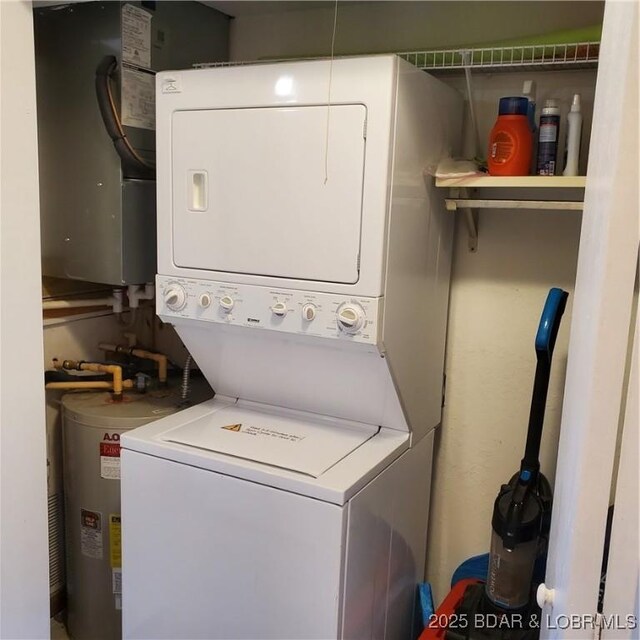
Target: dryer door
[{"x": 251, "y": 194}]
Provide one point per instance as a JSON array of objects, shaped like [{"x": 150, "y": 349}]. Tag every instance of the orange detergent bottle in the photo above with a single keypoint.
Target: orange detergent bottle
[{"x": 511, "y": 140}]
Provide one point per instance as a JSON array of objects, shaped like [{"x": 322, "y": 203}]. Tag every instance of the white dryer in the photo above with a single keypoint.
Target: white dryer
[{"x": 303, "y": 258}]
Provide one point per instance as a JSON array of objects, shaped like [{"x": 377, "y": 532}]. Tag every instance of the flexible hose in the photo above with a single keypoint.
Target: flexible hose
[
  {"x": 132, "y": 163},
  {"x": 186, "y": 372}
]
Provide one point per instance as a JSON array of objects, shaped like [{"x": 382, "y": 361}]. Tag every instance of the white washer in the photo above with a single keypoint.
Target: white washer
[{"x": 304, "y": 260}]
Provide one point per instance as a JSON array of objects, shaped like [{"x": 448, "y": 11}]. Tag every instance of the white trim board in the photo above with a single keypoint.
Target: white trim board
[{"x": 599, "y": 332}]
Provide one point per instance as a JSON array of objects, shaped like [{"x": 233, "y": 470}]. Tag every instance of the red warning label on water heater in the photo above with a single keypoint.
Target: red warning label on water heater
[
  {"x": 110, "y": 450},
  {"x": 110, "y": 458}
]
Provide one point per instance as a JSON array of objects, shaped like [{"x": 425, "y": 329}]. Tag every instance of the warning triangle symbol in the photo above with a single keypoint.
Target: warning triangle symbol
[{"x": 232, "y": 427}]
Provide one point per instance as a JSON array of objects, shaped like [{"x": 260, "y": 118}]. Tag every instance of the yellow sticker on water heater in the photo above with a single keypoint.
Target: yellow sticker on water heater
[{"x": 115, "y": 540}]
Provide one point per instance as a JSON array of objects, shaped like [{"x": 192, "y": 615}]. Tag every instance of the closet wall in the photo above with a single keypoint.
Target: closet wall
[{"x": 24, "y": 611}]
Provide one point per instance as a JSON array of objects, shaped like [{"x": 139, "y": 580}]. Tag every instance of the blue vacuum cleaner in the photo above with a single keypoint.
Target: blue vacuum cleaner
[{"x": 504, "y": 607}]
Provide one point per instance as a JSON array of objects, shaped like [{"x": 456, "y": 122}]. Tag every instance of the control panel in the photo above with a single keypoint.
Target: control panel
[{"x": 303, "y": 312}]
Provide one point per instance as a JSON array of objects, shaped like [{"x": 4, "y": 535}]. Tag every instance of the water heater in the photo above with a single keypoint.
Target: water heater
[{"x": 92, "y": 425}]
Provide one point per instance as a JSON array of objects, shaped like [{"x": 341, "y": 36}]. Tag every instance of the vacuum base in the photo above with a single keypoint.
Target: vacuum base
[{"x": 477, "y": 618}]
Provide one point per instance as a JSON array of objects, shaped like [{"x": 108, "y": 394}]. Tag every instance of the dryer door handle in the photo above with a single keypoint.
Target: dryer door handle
[{"x": 198, "y": 191}]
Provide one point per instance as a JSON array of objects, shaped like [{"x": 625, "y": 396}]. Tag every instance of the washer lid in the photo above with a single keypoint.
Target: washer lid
[{"x": 282, "y": 440}]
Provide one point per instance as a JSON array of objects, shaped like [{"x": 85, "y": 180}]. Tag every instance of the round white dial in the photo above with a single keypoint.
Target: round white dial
[
  {"x": 309, "y": 312},
  {"x": 226, "y": 303},
  {"x": 175, "y": 297},
  {"x": 350, "y": 317},
  {"x": 279, "y": 309},
  {"x": 205, "y": 300}
]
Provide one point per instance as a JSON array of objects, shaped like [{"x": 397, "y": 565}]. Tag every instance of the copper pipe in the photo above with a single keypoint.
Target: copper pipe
[
  {"x": 113, "y": 369},
  {"x": 96, "y": 384},
  {"x": 160, "y": 358}
]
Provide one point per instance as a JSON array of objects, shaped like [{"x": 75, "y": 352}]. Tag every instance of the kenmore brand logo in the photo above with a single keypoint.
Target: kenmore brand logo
[{"x": 253, "y": 320}]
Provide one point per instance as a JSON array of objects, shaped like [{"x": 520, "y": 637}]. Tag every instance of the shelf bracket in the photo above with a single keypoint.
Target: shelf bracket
[
  {"x": 459, "y": 200},
  {"x": 455, "y": 203},
  {"x": 470, "y": 216}
]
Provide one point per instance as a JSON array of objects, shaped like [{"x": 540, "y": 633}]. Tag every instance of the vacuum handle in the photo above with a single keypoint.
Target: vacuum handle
[
  {"x": 550, "y": 322},
  {"x": 545, "y": 342}
]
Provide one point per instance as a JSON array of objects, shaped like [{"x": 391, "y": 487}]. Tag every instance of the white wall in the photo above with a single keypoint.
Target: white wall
[
  {"x": 374, "y": 27},
  {"x": 78, "y": 339},
  {"x": 497, "y": 294},
  {"x": 24, "y": 597}
]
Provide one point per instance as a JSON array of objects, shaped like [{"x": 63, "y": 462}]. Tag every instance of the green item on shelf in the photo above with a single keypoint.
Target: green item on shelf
[
  {"x": 567, "y": 36},
  {"x": 583, "y": 45},
  {"x": 521, "y": 50}
]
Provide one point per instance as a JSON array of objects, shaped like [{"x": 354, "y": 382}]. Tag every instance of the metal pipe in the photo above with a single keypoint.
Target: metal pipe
[
  {"x": 113, "y": 369},
  {"x": 76, "y": 304},
  {"x": 114, "y": 301},
  {"x": 160, "y": 358},
  {"x": 95, "y": 384}
]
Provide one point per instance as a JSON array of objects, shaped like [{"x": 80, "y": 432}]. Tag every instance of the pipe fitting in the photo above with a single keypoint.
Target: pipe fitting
[
  {"x": 113, "y": 369},
  {"x": 159, "y": 358},
  {"x": 118, "y": 298},
  {"x": 135, "y": 293}
]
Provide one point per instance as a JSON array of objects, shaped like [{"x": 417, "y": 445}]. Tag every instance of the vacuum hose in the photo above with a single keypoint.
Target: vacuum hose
[{"x": 133, "y": 165}]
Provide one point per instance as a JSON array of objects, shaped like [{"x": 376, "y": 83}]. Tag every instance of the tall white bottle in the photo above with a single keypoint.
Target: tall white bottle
[{"x": 574, "y": 131}]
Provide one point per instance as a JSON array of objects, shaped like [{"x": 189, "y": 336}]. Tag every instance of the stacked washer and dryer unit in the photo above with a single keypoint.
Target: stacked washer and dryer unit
[{"x": 304, "y": 260}]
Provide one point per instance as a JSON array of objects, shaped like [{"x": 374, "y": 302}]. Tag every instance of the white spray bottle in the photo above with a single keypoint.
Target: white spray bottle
[
  {"x": 529, "y": 92},
  {"x": 574, "y": 131}
]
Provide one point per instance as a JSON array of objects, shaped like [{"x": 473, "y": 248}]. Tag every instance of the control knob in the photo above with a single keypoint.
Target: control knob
[
  {"x": 226, "y": 303},
  {"x": 350, "y": 317},
  {"x": 309, "y": 312},
  {"x": 175, "y": 297},
  {"x": 205, "y": 301},
  {"x": 279, "y": 309}
]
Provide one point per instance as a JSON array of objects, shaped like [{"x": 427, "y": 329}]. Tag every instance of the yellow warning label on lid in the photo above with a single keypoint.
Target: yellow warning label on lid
[
  {"x": 115, "y": 540},
  {"x": 232, "y": 427}
]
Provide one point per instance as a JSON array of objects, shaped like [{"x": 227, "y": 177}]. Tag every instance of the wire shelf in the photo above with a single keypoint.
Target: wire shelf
[
  {"x": 242, "y": 63},
  {"x": 557, "y": 56}
]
